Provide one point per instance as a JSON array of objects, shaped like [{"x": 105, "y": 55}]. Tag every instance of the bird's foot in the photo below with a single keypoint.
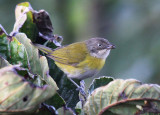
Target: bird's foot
[
  {"x": 82, "y": 92},
  {"x": 81, "y": 89}
]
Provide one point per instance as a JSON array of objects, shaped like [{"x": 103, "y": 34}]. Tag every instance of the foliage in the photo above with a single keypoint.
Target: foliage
[
  {"x": 127, "y": 97},
  {"x": 32, "y": 83},
  {"x": 17, "y": 95}
]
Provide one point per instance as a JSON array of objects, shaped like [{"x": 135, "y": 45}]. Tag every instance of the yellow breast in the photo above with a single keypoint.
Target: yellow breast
[{"x": 90, "y": 65}]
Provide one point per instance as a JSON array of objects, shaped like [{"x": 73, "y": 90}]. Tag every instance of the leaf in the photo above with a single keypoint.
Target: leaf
[
  {"x": 18, "y": 95},
  {"x": 79, "y": 109},
  {"x": 68, "y": 92},
  {"x": 25, "y": 21},
  {"x": 124, "y": 97},
  {"x": 65, "y": 111},
  {"x": 35, "y": 24},
  {"x": 98, "y": 82},
  {"x": 46, "y": 110},
  {"x": 56, "y": 101},
  {"x": 38, "y": 65},
  {"x": 18, "y": 53},
  {"x": 3, "y": 62},
  {"x": 12, "y": 50},
  {"x": 4, "y": 43},
  {"x": 45, "y": 28},
  {"x": 44, "y": 25}
]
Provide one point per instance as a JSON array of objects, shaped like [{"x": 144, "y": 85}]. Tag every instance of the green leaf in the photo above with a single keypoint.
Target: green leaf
[
  {"x": 38, "y": 65},
  {"x": 56, "y": 101},
  {"x": 68, "y": 92},
  {"x": 18, "y": 53},
  {"x": 46, "y": 110},
  {"x": 98, "y": 82},
  {"x": 12, "y": 50},
  {"x": 4, "y": 43},
  {"x": 25, "y": 21},
  {"x": 18, "y": 95},
  {"x": 124, "y": 97}
]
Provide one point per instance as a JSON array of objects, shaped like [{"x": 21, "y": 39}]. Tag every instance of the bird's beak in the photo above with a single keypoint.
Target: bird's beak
[{"x": 111, "y": 46}]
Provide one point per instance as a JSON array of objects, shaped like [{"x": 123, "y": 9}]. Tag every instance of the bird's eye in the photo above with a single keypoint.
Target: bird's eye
[{"x": 99, "y": 45}]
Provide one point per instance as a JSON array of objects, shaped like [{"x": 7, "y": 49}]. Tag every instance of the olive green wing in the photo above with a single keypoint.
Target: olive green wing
[
  {"x": 71, "y": 55},
  {"x": 43, "y": 48}
]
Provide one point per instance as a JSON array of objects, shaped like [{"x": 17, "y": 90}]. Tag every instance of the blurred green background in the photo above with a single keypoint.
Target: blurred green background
[{"x": 132, "y": 25}]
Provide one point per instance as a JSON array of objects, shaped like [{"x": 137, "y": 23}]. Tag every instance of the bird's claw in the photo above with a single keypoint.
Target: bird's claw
[{"x": 82, "y": 92}]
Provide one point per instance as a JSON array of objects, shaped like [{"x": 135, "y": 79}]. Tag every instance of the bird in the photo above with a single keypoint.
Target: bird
[{"x": 80, "y": 60}]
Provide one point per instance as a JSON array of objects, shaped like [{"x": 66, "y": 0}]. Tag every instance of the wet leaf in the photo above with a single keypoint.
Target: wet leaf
[
  {"x": 18, "y": 95},
  {"x": 124, "y": 97},
  {"x": 98, "y": 82}
]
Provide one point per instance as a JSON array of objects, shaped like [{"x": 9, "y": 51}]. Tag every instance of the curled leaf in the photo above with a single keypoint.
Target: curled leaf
[
  {"x": 127, "y": 97},
  {"x": 38, "y": 65},
  {"x": 18, "y": 95}
]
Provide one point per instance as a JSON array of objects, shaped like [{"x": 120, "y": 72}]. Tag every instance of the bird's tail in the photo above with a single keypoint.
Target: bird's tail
[{"x": 43, "y": 48}]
